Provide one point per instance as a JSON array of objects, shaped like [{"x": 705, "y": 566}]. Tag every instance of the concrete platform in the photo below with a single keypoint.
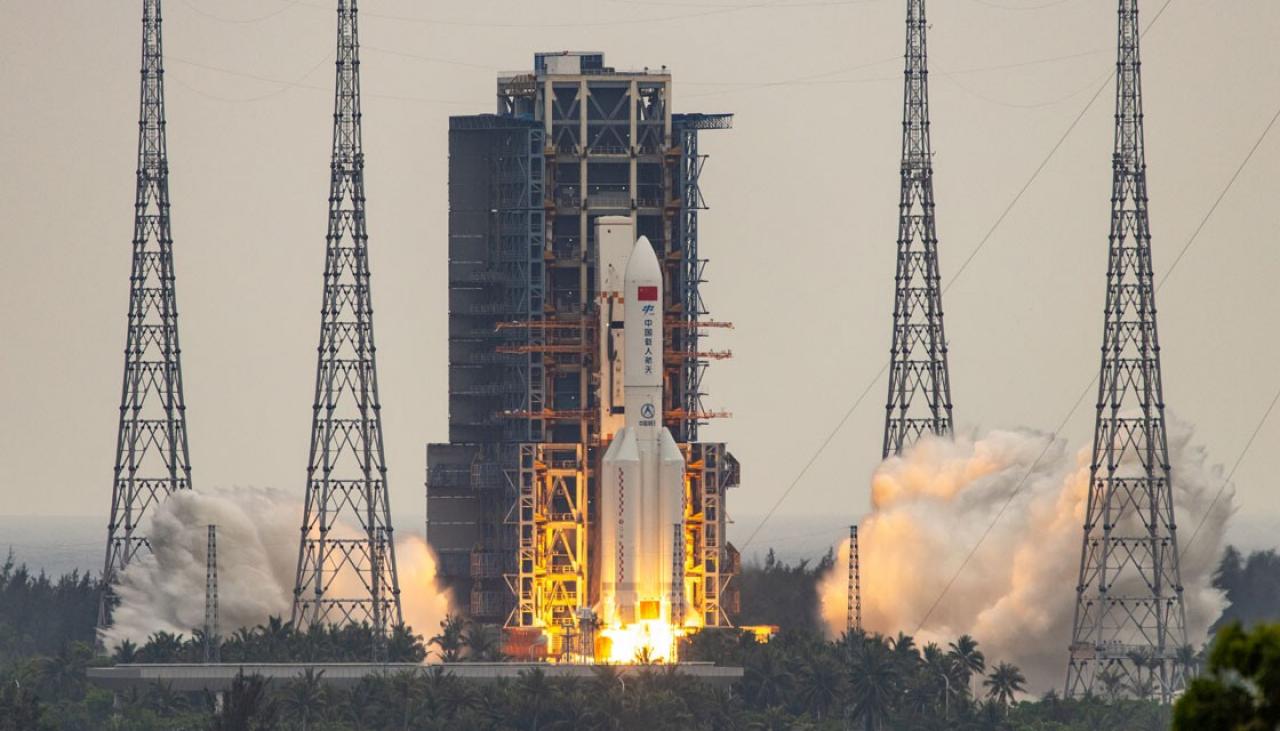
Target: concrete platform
[{"x": 217, "y": 677}]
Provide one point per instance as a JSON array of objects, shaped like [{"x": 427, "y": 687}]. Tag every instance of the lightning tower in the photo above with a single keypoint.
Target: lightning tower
[
  {"x": 151, "y": 442},
  {"x": 853, "y": 622},
  {"x": 346, "y": 556},
  {"x": 212, "y": 643},
  {"x": 1129, "y": 619},
  {"x": 919, "y": 384}
]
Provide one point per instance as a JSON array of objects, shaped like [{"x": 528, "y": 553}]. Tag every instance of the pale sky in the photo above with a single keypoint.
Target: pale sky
[{"x": 801, "y": 231}]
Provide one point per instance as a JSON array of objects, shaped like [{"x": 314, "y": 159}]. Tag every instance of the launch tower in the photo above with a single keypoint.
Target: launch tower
[
  {"x": 1129, "y": 620},
  {"x": 512, "y": 496},
  {"x": 919, "y": 382},
  {"x": 151, "y": 441},
  {"x": 346, "y": 555}
]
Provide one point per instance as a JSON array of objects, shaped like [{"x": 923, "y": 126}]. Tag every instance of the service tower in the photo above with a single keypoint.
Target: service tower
[{"x": 575, "y": 147}]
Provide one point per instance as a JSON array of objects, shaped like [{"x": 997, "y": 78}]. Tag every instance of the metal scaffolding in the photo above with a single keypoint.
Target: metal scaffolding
[
  {"x": 151, "y": 439},
  {"x": 551, "y": 580},
  {"x": 711, "y": 471},
  {"x": 572, "y": 140},
  {"x": 1130, "y": 621}
]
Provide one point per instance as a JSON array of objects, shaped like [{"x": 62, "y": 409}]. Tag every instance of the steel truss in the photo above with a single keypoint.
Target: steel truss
[
  {"x": 347, "y": 575},
  {"x": 152, "y": 461},
  {"x": 550, "y": 514},
  {"x": 918, "y": 357},
  {"x": 1130, "y": 621},
  {"x": 711, "y": 563}
]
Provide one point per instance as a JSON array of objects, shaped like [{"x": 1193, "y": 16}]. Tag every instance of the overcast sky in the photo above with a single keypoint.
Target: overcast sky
[{"x": 801, "y": 231}]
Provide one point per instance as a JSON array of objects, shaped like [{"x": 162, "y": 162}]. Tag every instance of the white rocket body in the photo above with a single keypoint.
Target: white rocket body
[{"x": 642, "y": 480}]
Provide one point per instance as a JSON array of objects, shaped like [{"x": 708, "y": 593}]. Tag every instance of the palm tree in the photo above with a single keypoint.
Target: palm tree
[
  {"x": 873, "y": 681},
  {"x": 450, "y": 638},
  {"x": 246, "y": 706},
  {"x": 361, "y": 703},
  {"x": 904, "y": 646},
  {"x": 162, "y": 647},
  {"x": 535, "y": 695},
  {"x": 1112, "y": 684},
  {"x": 407, "y": 689},
  {"x": 767, "y": 682},
  {"x": 63, "y": 672},
  {"x": 404, "y": 646},
  {"x": 941, "y": 673},
  {"x": 126, "y": 653},
  {"x": 305, "y": 697},
  {"x": 276, "y": 637},
  {"x": 1005, "y": 683},
  {"x": 821, "y": 684},
  {"x": 968, "y": 657},
  {"x": 484, "y": 643},
  {"x": 1188, "y": 660},
  {"x": 161, "y": 698}
]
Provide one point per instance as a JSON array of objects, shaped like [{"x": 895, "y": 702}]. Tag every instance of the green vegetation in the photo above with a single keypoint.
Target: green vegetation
[
  {"x": 1252, "y": 586},
  {"x": 797, "y": 681},
  {"x": 781, "y": 594},
  {"x": 1241, "y": 689}
]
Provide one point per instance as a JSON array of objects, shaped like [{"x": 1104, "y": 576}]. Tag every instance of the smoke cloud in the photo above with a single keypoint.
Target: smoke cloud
[
  {"x": 257, "y": 534},
  {"x": 1016, "y": 596}
]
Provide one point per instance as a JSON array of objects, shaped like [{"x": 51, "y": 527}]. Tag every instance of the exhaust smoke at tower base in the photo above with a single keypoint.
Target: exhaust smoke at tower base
[{"x": 931, "y": 506}]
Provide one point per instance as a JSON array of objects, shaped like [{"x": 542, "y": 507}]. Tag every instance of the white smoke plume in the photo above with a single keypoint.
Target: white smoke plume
[
  {"x": 257, "y": 544},
  {"x": 1016, "y": 595}
]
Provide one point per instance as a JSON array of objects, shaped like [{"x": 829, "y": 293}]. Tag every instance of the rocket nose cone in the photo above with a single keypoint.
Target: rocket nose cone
[{"x": 643, "y": 263}]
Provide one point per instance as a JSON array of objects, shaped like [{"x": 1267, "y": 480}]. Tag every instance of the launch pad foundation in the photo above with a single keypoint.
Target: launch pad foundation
[{"x": 217, "y": 678}]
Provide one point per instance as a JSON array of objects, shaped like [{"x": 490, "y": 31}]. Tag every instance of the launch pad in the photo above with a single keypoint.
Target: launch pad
[{"x": 559, "y": 499}]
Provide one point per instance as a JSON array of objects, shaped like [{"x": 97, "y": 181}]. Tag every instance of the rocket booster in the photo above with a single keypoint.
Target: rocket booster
[{"x": 642, "y": 480}]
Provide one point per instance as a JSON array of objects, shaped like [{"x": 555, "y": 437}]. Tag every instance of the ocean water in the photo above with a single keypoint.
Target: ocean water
[{"x": 55, "y": 544}]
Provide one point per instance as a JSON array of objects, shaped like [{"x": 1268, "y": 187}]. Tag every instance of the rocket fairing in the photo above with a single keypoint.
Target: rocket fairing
[{"x": 642, "y": 473}]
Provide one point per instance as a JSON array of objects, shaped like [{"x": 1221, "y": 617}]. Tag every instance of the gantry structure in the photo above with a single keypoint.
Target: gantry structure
[
  {"x": 511, "y": 495},
  {"x": 1130, "y": 622},
  {"x": 346, "y": 555},
  {"x": 919, "y": 382},
  {"x": 152, "y": 461}
]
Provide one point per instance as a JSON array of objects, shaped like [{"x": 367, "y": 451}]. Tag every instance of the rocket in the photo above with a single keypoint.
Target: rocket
[{"x": 642, "y": 472}]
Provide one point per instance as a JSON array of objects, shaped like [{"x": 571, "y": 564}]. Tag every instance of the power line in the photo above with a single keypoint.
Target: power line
[
  {"x": 1213, "y": 503},
  {"x": 240, "y": 21},
  {"x": 857, "y": 402},
  {"x": 599, "y": 23},
  {"x": 981, "y": 244},
  {"x": 1022, "y": 482}
]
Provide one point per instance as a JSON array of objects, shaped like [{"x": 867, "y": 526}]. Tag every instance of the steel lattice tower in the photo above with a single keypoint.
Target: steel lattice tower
[
  {"x": 919, "y": 384},
  {"x": 212, "y": 643},
  {"x": 151, "y": 443},
  {"x": 853, "y": 622},
  {"x": 1129, "y": 619},
  {"x": 347, "y": 577}
]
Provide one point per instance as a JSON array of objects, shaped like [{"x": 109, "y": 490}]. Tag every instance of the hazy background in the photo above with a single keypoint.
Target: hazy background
[{"x": 801, "y": 231}]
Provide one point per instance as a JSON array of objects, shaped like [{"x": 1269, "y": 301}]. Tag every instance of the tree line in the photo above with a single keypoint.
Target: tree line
[{"x": 799, "y": 680}]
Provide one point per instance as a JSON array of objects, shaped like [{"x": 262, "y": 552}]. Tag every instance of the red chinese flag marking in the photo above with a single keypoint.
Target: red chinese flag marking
[{"x": 647, "y": 294}]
